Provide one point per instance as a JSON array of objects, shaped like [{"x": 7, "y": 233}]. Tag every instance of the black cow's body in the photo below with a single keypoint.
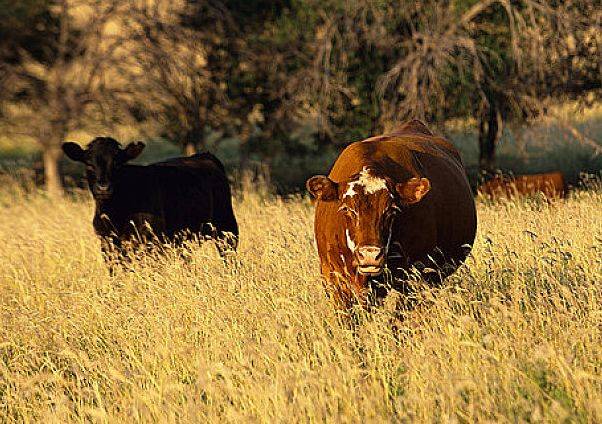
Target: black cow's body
[{"x": 165, "y": 201}]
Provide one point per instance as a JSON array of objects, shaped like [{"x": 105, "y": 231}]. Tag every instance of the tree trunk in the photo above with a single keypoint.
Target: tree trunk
[
  {"x": 324, "y": 139},
  {"x": 52, "y": 177},
  {"x": 375, "y": 118},
  {"x": 243, "y": 157},
  {"x": 190, "y": 148},
  {"x": 244, "y": 149},
  {"x": 490, "y": 131}
]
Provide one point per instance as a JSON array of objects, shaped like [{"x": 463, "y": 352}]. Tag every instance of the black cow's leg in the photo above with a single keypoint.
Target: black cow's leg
[
  {"x": 105, "y": 248},
  {"x": 112, "y": 253},
  {"x": 221, "y": 238},
  {"x": 147, "y": 232},
  {"x": 225, "y": 222},
  {"x": 226, "y": 243}
]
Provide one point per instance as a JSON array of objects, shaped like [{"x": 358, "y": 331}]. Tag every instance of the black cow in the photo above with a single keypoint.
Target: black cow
[{"x": 169, "y": 201}]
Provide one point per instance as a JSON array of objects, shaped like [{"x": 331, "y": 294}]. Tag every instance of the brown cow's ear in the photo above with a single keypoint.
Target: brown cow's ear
[
  {"x": 322, "y": 187},
  {"x": 74, "y": 151},
  {"x": 132, "y": 151},
  {"x": 413, "y": 190}
]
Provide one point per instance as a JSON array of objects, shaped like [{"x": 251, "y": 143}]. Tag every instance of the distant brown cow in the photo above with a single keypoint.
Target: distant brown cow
[
  {"x": 392, "y": 202},
  {"x": 551, "y": 185}
]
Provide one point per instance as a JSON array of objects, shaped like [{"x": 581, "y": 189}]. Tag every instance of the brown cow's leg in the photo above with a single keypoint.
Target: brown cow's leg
[
  {"x": 350, "y": 291},
  {"x": 336, "y": 287}
]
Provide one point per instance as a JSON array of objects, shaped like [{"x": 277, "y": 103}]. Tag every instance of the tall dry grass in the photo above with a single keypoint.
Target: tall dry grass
[{"x": 514, "y": 336}]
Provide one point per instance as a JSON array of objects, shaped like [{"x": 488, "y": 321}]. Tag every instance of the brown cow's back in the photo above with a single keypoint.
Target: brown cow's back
[{"x": 399, "y": 154}]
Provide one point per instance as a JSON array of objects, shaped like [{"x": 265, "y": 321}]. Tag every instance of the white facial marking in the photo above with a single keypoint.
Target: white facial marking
[
  {"x": 370, "y": 183},
  {"x": 350, "y": 189},
  {"x": 350, "y": 243}
]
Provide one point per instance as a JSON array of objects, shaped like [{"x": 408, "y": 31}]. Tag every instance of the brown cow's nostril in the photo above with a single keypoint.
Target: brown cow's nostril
[
  {"x": 369, "y": 253},
  {"x": 370, "y": 260}
]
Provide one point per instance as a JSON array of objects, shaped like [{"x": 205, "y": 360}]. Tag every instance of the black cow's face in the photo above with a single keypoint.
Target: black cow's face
[
  {"x": 368, "y": 202},
  {"x": 103, "y": 157}
]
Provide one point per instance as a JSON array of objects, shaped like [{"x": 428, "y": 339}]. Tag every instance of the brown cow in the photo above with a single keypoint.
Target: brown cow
[
  {"x": 392, "y": 202},
  {"x": 551, "y": 185}
]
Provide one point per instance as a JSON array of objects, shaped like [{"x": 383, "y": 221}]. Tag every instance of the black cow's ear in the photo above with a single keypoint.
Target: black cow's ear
[
  {"x": 132, "y": 150},
  {"x": 413, "y": 190},
  {"x": 73, "y": 151},
  {"x": 322, "y": 187}
]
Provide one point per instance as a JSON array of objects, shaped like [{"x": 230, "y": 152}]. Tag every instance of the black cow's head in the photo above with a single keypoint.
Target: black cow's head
[
  {"x": 368, "y": 201},
  {"x": 103, "y": 157}
]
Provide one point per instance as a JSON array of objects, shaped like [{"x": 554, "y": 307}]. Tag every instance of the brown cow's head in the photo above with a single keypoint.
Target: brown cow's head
[
  {"x": 368, "y": 201},
  {"x": 103, "y": 158}
]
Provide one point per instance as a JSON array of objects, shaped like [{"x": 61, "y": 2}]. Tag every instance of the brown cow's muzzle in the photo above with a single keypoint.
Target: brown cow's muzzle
[{"x": 370, "y": 260}]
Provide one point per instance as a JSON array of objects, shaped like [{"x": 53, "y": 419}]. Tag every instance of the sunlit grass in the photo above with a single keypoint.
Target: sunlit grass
[{"x": 513, "y": 336}]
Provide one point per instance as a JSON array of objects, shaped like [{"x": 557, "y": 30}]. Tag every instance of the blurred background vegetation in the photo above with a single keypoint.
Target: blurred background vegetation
[{"x": 279, "y": 87}]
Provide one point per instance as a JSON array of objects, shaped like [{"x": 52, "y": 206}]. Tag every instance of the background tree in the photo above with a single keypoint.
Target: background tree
[
  {"x": 23, "y": 25},
  {"x": 253, "y": 63},
  {"x": 62, "y": 85},
  {"x": 493, "y": 60},
  {"x": 179, "y": 69},
  {"x": 291, "y": 81},
  {"x": 332, "y": 70},
  {"x": 369, "y": 65}
]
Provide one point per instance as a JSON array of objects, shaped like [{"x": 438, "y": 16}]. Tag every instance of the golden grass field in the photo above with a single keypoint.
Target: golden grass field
[{"x": 513, "y": 336}]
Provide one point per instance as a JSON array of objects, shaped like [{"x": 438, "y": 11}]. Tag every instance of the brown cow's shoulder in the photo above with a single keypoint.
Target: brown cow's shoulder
[
  {"x": 421, "y": 139},
  {"x": 397, "y": 153}
]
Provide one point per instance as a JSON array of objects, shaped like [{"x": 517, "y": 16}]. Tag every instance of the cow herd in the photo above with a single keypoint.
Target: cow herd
[{"x": 392, "y": 206}]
